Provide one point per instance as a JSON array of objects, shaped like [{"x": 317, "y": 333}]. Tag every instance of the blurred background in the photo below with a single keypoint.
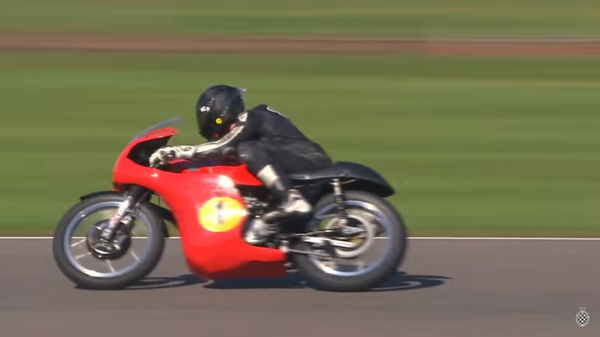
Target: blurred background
[{"x": 484, "y": 115}]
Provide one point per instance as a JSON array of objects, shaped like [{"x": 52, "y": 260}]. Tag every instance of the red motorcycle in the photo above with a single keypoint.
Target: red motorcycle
[{"x": 351, "y": 241}]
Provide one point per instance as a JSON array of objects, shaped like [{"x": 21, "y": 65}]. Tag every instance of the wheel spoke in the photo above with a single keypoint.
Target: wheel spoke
[
  {"x": 77, "y": 257},
  {"x": 135, "y": 257},
  {"x": 360, "y": 264},
  {"x": 330, "y": 264},
  {"x": 110, "y": 266},
  {"x": 78, "y": 243}
]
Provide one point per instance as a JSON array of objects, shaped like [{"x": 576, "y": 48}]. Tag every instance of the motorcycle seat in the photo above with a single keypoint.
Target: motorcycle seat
[
  {"x": 341, "y": 169},
  {"x": 364, "y": 177},
  {"x": 337, "y": 170}
]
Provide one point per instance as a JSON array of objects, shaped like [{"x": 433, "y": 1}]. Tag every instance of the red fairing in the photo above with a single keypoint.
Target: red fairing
[
  {"x": 213, "y": 250},
  {"x": 239, "y": 174}
]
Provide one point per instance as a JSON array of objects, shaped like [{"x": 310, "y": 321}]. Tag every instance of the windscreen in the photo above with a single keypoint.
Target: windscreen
[{"x": 169, "y": 122}]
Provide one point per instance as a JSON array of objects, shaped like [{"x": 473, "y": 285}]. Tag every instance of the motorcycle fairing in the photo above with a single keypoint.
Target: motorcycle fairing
[{"x": 210, "y": 254}]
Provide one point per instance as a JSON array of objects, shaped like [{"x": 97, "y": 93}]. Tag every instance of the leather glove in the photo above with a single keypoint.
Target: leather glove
[{"x": 162, "y": 156}]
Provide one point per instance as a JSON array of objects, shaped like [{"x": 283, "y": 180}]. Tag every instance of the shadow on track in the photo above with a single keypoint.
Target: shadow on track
[
  {"x": 402, "y": 281},
  {"x": 294, "y": 280},
  {"x": 166, "y": 282}
]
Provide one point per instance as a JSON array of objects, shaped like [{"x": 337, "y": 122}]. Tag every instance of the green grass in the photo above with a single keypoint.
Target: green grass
[
  {"x": 462, "y": 18},
  {"x": 474, "y": 146}
]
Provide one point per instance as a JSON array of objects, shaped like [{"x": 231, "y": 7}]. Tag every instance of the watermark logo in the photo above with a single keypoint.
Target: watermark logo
[{"x": 582, "y": 318}]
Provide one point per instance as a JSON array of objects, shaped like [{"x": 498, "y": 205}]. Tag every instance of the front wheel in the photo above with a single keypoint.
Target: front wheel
[
  {"x": 137, "y": 245},
  {"x": 366, "y": 258}
]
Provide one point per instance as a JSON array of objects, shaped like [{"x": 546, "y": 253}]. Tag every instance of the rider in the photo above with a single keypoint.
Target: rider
[{"x": 265, "y": 140}]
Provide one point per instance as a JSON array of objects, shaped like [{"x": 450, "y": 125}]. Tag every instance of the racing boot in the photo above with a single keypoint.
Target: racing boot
[
  {"x": 291, "y": 202},
  {"x": 265, "y": 226}
]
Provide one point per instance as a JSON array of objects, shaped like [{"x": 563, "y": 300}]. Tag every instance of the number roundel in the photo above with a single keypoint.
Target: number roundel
[{"x": 221, "y": 214}]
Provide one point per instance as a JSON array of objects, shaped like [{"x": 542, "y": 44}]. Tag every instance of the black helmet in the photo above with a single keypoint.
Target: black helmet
[{"x": 217, "y": 108}]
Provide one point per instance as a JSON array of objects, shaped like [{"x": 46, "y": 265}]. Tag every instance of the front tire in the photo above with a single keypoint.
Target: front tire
[
  {"x": 76, "y": 260},
  {"x": 326, "y": 278}
]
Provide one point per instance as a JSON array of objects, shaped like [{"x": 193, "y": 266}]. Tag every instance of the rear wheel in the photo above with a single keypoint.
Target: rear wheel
[
  {"x": 369, "y": 256},
  {"x": 136, "y": 248}
]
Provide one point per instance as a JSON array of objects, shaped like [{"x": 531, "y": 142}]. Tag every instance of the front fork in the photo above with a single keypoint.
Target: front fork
[{"x": 132, "y": 197}]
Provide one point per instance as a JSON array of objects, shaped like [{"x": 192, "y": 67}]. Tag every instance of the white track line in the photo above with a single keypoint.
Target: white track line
[
  {"x": 499, "y": 238},
  {"x": 411, "y": 238}
]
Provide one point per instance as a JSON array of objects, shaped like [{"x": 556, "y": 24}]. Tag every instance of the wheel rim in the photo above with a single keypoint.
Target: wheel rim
[
  {"x": 373, "y": 251},
  {"x": 82, "y": 259}
]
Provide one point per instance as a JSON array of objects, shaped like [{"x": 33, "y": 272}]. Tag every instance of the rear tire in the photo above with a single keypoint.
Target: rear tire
[
  {"x": 392, "y": 259},
  {"x": 83, "y": 280}
]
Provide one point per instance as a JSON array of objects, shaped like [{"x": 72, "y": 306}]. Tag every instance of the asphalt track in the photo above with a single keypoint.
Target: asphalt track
[{"x": 445, "y": 288}]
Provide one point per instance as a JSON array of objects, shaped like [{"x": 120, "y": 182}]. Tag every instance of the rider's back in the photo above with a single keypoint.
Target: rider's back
[{"x": 269, "y": 124}]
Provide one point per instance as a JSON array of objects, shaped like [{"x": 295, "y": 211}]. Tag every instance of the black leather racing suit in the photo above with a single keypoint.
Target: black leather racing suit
[{"x": 264, "y": 138}]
